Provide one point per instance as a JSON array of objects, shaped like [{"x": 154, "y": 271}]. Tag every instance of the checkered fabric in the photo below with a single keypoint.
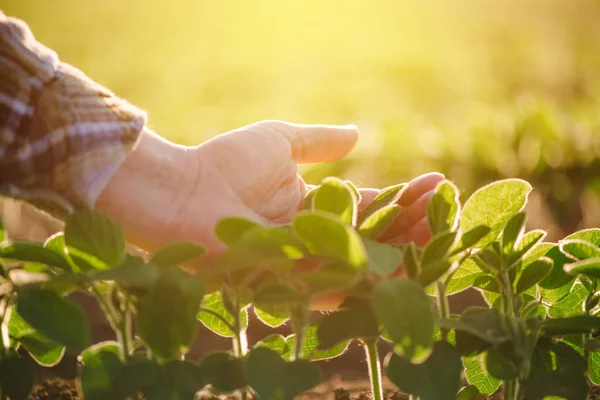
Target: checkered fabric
[{"x": 62, "y": 136}]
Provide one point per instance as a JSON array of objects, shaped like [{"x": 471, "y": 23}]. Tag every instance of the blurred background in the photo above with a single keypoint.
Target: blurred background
[{"x": 476, "y": 89}]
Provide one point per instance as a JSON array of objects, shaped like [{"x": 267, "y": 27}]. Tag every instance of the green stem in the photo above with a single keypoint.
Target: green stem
[
  {"x": 443, "y": 307},
  {"x": 374, "y": 367},
  {"x": 240, "y": 340},
  {"x": 107, "y": 308},
  {"x": 4, "y": 318},
  {"x": 509, "y": 390},
  {"x": 298, "y": 320},
  {"x": 125, "y": 330}
]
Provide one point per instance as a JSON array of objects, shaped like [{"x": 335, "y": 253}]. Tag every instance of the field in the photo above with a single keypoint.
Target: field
[{"x": 478, "y": 90}]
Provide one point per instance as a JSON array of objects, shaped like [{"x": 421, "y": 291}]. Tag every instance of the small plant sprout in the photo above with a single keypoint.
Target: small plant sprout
[{"x": 537, "y": 338}]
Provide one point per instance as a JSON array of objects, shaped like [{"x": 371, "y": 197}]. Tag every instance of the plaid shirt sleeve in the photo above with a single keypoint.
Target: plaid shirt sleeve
[{"x": 62, "y": 136}]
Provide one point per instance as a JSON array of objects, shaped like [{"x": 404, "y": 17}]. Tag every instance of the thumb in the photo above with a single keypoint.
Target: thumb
[{"x": 319, "y": 143}]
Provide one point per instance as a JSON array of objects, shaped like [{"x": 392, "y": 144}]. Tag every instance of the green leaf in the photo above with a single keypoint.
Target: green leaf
[
  {"x": 433, "y": 272},
  {"x": 55, "y": 317},
  {"x": 272, "y": 378},
  {"x": 386, "y": 197},
  {"x": 513, "y": 232},
  {"x": 594, "y": 368},
  {"x": 501, "y": 363},
  {"x": 588, "y": 267},
  {"x": 436, "y": 378},
  {"x": 132, "y": 273},
  {"x": 17, "y": 376},
  {"x": 328, "y": 237},
  {"x": 177, "y": 253},
  {"x": 222, "y": 371},
  {"x": 478, "y": 376},
  {"x": 44, "y": 351},
  {"x": 571, "y": 304},
  {"x": 274, "y": 342},
  {"x": 272, "y": 316},
  {"x": 443, "y": 208},
  {"x": 493, "y": 205},
  {"x": 278, "y": 294},
  {"x": 95, "y": 234},
  {"x": 346, "y": 324},
  {"x": 312, "y": 350},
  {"x": 487, "y": 283},
  {"x": 589, "y": 235},
  {"x": 405, "y": 312},
  {"x": 412, "y": 261},
  {"x": 100, "y": 367},
  {"x": 533, "y": 273},
  {"x": 579, "y": 249},
  {"x": 231, "y": 229},
  {"x": 485, "y": 323},
  {"x": 469, "y": 392},
  {"x": 470, "y": 345},
  {"x": 464, "y": 277},
  {"x": 354, "y": 191},
  {"x": 177, "y": 381},
  {"x": 383, "y": 258},
  {"x": 378, "y": 222},
  {"x": 524, "y": 249},
  {"x": 330, "y": 277},
  {"x": 166, "y": 317},
  {"x": 575, "y": 324},
  {"x": 471, "y": 238},
  {"x": 34, "y": 252},
  {"x": 137, "y": 375},
  {"x": 336, "y": 197},
  {"x": 557, "y": 276},
  {"x": 438, "y": 248},
  {"x": 214, "y": 302},
  {"x": 309, "y": 198}
]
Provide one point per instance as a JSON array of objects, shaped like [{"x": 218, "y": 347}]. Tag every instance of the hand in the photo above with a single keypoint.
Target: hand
[{"x": 165, "y": 192}]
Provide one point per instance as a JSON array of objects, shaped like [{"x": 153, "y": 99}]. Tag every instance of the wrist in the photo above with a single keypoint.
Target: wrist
[{"x": 146, "y": 196}]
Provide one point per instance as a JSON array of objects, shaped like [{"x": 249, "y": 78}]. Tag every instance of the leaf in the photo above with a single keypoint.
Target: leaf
[
  {"x": 177, "y": 381},
  {"x": 336, "y": 197},
  {"x": 177, "y": 253},
  {"x": 405, "y": 312},
  {"x": 45, "y": 352},
  {"x": 383, "y": 258},
  {"x": 34, "y": 252},
  {"x": 438, "y": 248},
  {"x": 166, "y": 317},
  {"x": 493, "y": 205},
  {"x": 386, "y": 197},
  {"x": 378, "y": 222},
  {"x": 309, "y": 198},
  {"x": 594, "y": 368},
  {"x": 346, "y": 324},
  {"x": 478, "y": 376},
  {"x": 272, "y": 378},
  {"x": 589, "y": 235},
  {"x": 412, "y": 261},
  {"x": 17, "y": 376},
  {"x": 214, "y": 302},
  {"x": 230, "y": 229},
  {"x": 500, "y": 362},
  {"x": 312, "y": 350},
  {"x": 488, "y": 283},
  {"x": 100, "y": 367},
  {"x": 471, "y": 238},
  {"x": 132, "y": 273},
  {"x": 354, "y": 191},
  {"x": 278, "y": 294},
  {"x": 327, "y": 237},
  {"x": 485, "y": 323},
  {"x": 532, "y": 274},
  {"x": 274, "y": 342},
  {"x": 525, "y": 247},
  {"x": 579, "y": 249},
  {"x": 575, "y": 324},
  {"x": 95, "y": 234},
  {"x": 570, "y": 304},
  {"x": 513, "y": 232},
  {"x": 470, "y": 345},
  {"x": 469, "y": 392},
  {"x": 557, "y": 276},
  {"x": 436, "y": 378},
  {"x": 443, "y": 208},
  {"x": 222, "y": 371},
  {"x": 55, "y": 317},
  {"x": 464, "y": 277},
  {"x": 588, "y": 267},
  {"x": 433, "y": 272},
  {"x": 272, "y": 316},
  {"x": 136, "y": 376}
]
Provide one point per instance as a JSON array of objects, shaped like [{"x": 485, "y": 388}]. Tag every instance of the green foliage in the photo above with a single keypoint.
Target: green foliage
[
  {"x": 221, "y": 322},
  {"x": 443, "y": 210},
  {"x": 336, "y": 197},
  {"x": 177, "y": 253}
]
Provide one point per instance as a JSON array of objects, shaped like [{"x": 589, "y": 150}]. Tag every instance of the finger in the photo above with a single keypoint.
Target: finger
[
  {"x": 419, "y": 234},
  {"x": 318, "y": 143},
  {"x": 409, "y": 216},
  {"x": 366, "y": 197},
  {"x": 419, "y": 186}
]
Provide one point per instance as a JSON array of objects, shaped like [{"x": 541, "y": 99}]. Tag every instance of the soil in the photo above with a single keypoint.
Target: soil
[{"x": 61, "y": 389}]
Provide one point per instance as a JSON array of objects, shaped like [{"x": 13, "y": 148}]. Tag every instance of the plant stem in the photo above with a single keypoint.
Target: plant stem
[
  {"x": 4, "y": 318},
  {"x": 443, "y": 307},
  {"x": 240, "y": 340},
  {"x": 125, "y": 330},
  {"x": 374, "y": 367},
  {"x": 298, "y": 320}
]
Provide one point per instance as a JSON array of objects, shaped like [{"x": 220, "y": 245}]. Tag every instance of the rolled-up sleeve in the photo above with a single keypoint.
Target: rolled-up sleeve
[{"x": 62, "y": 136}]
